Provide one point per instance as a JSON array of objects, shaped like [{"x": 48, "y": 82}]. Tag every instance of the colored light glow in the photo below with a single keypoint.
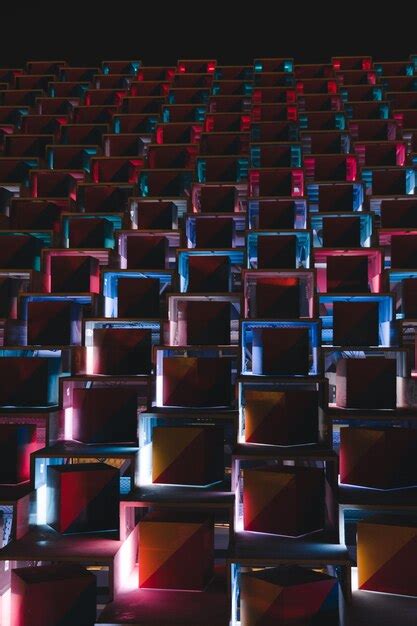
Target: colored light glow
[
  {"x": 68, "y": 417},
  {"x": 41, "y": 504}
]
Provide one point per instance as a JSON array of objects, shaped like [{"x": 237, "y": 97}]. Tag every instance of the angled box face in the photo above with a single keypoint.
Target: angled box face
[
  {"x": 280, "y": 351},
  {"x": 209, "y": 274},
  {"x": 277, "y": 252},
  {"x": 283, "y": 501},
  {"x": 147, "y": 252},
  {"x": 341, "y": 232},
  {"x": 399, "y": 213},
  {"x": 53, "y": 595},
  {"x": 25, "y": 381},
  {"x": 105, "y": 415},
  {"x": 276, "y": 214},
  {"x": 175, "y": 552},
  {"x": 336, "y": 198},
  {"x": 347, "y": 274},
  {"x": 138, "y": 297},
  {"x": 356, "y": 324},
  {"x": 214, "y": 232},
  {"x": 197, "y": 381},
  {"x": 409, "y": 297},
  {"x": 189, "y": 455},
  {"x": 288, "y": 595},
  {"x": 19, "y": 251},
  {"x": 404, "y": 251},
  {"x": 277, "y": 298},
  {"x": 366, "y": 383},
  {"x": 204, "y": 323},
  {"x": 380, "y": 459},
  {"x": 53, "y": 323},
  {"x": 155, "y": 215},
  {"x": 91, "y": 233},
  {"x": 387, "y": 552},
  {"x": 17, "y": 442},
  {"x": 73, "y": 274},
  {"x": 34, "y": 213},
  {"x": 122, "y": 352},
  {"x": 281, "y": 418},
  {"x": 83, "y": 498}
]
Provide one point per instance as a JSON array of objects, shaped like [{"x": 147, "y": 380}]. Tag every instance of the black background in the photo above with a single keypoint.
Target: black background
[{"x": 84, "y": 33}]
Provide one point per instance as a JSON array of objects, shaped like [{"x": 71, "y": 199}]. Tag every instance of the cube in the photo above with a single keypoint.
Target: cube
[
  {"x": 209, "y": 274},
  {"x": 213, "y": 232},
  {"x": 74, "y": 274},
  {"x": 280, "y": 351},
  {"x": 277, "y": 213},
  {"x": 366, "y": 383},
  {"x": 334, "y": 198},
  {"x": 25, "y": 381},
  {"x": 387, "y": 553},
  {"x": 122, "y": 351},
  {"x": 157, "y": 215},
  {"x": 217, "y": 199},
  {"x": 83, "y": 498},
  {"x": 19, "y": 251},
  {"x": 204, "y": 323},
  {"x": 89, "y": 233},
  {"x": 53, "y": 595},
  {"x": 355, "y": 324},
  {"x": 287, "y": 595},
  {"x": 138, "y": 297},
  {"x": 347, "y": 274},
  {"x": 404, "y": 251},
  {"x": 17, "y": 442},
  {"x": 197, "y": 381},
  {"x": 281, "y": 418},
  {"x": 409, "y": 298},
  {"x": 277, "y": 252},
  {"x": 147, "y": 252},
  {"x": 53, "y": 323},
  {"x": 175, "y": 552},
  {"x": 345, "y": 231},
  {"x": 283, "y": 500},
  {"x": 277, "y": 298}
]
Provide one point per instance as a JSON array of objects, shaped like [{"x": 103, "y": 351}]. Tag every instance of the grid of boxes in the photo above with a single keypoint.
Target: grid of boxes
[{"x": 208, "y": 315}]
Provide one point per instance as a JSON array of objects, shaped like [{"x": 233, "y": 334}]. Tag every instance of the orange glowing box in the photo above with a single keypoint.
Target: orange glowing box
[
  {"x": 378, "y": 458},
  {"x": 387, "y": 554},
  {"x": 284, "y": 500},
  {"x": 52, "y": 595},
  {"x": 187, "y": 455},
  {"x": 175, "y": 551},
  {"x": 288, "y": 595}
]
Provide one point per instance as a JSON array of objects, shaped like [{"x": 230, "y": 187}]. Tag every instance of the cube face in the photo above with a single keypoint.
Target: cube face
[
  {"x": 83, "y": 498},
  {"x": 283, "y": 501},
  {"x": 347, "y": 274},
  {"x": 8, "y": 292},
  {"x": 209, "y": 274},
  {"x": 147, "y": 252},
  {"x": 276, "y": 214},
  {"x": 281, "y": 418},
  {"x": 403, "y": 251},
  {"x": 197, "y": 381},
  {"x": 122, "y": 351},
  {"x": 280, "y": 351},
  {"x": 53, "y": 595},
  {"x": 51, "y": 323},
  {"x": 380, "y": 459},
  {"x": 288, "y": 595},
  {"x": 103, "y": 415},
  {"x": 188, "y": 455},
  {"x": 214, "y": 232},
  {"x": 355, "y": 324},
  {"x": 73, "y": 274},
  {"x": 219, "y": 199},
  {"x": 409, "y": 298},
  {"x": 277, "y": 252},
  {"x": 204, "y": 323},
  {"x": 175, "y": 553},
  {"x": 19, "y": 251},
  {"x": 366, "y": 383},
  {"x": 17, "y": 442},
  {"x": 25, "y": 381},
  {"x": 341, "y": 232},
  {"x": 89, "y": 233},
  {"x": 336, "y": 198},
  {"x": 155, "y": 215},
  {"x": 387, "y": 552},
  {"x": 278, "y": 298},
  {"x": 138, "y": 297}
]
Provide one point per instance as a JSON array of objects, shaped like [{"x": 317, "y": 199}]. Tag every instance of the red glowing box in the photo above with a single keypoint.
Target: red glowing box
[
  {"x": 280, "y": 351},
  {"x": 122, "y": 351},
  {"x": 155, "y": 215},
  {"x": 188, "y": 455},
  {"x": 277, "y": 251},
  {"x": 89, "y": 233},
  {"x": 83, "y": 497},
  {"x": 378, "y": 458},
  {"x": 103, "y": 415},
  {"x": 25, "y": 381},
  {"x": 409, "y": 298},
  {"x": 387, "y": 553},
  {"x": 355, "y": 324},
  {"x": 284, "y": 500},
  {"x": 288, "y": 595},
  {"x": 147, "y": 252},
  {"x": 277, "y": 298},
  {"x": 403, "y": 251},
  {"x": 366, "y": 383},
  {"x": 175, "y": 552},
  {"x": 204, "y": 323},
  {"x": 343, "y": 231},
  {"x": 53, "y": 595},
  {"x": 276, "y": 182},
  {"x": 214, "y": 232},
  {"x": 37, "y": 214},
  {"x": 19, "y": 251},
  {"x": 55, "y": 183},
  {"x": 54, "y": 323},
  {"x": 347, "y": 274},
  {"x": 281, "y": 418},
  {"x": 74, "y": 274},
  {"x": 17, "y": 442},
  {"x": 330, "y": 167},
  {"x": 138, "y": 297},
  {"x": 197, "y": 381},
  {"x": 209, "y": 274}
]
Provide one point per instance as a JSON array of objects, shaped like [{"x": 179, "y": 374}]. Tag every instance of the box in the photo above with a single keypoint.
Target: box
[
  {"x": 187, "y": 455},
  {"x": 17, "y": 442},
  {"x": 175, "y": 552},
  {"x": 347, "y": 274},
  {"x": 217, "y": 199},
  {"x": 368, "y": 383},
  {"x": 83, "y": 498},
  {"x": 280, "y": 351},
  {"x": 73, "y": 274},
  {"x": 53, "y": 323},
  {"x": 284, "y": 500},
  {"x": 24, "y": 381},
  {"x": 288, "y": 595},
  {"x": 138, "y": 297},
  {"x": 409, "y": 298},
  {"x": 344, "y": 231},
  {"x": 277, "y": 252},
  {"x": 122, "y": 351},
  {"x": 52, "y": 595},
  {"x": 147, "y": 252},
  {"x": 89, "y": 233},
  {"x": 197, "y": 381},
  {"x": 387, "y": 553},
  {"x": 356, "y": 323},
  {"x": 104, "y": 415},
  {"x": 19, "y": 251},
  {"x": 204, "y": 323},
  {"x": 213, "y": 232},
  {"x": 209, "y": 274},
  {"x": 378, "y": 458},
  {"x": 277, "y": 298},
  {"x": 404, "y": 251},
  {"x": 281, "y": 418}
]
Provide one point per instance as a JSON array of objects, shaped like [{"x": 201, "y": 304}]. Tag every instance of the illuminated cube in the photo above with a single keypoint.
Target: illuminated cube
[
  {"x": 147, "y": 252},
  {"x": 277, "y": 252},
  {"x": 74, "y": 274},
  {"x": 17, "y": 442},
  {"x": 209, "y": 274},
  {"x": 54, "y": 323},
  {"x": 355, "y": 323},
  {"x": 19, "y": 251},
  {"x": 138, "y": 297},
  {"x": 25, "y": 381},
  {"x": 175, "y": 552},
  {"x": 347, "y": 274},
  {"x": 213, "y": 232},
  {"x": 341, "y": 232},
  {"x": 204, "y": 323},
  {"x": 89, "y": 233},
  {"x": 366, "y": 383},
  {"x": 280, "y": 351},
  {"x": 122, "y": 351},
  {"x": 197, "y": 381},
  {"x": 404, "y": 251},
  {"x": 277, "y": 298}
]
